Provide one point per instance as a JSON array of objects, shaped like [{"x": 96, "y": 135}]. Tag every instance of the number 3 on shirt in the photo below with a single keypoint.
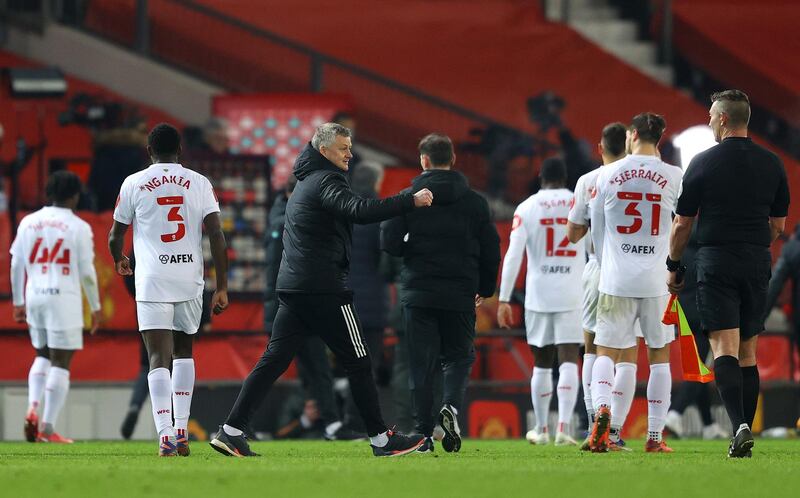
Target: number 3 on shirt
[
  {"x": 631, "y": 210},
  {"x": 174, "y": 215},
  {"x": 561, "y": 250}
]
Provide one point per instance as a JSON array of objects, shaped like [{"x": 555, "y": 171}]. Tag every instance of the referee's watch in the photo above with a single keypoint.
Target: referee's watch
[{"x": 673, "y": 266}]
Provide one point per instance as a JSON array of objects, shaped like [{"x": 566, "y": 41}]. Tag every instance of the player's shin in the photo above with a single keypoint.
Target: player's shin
[
  {"x": 567, "y": 394},
  {"x": 541, "y": 394},
  {"x": 602, "y": 381},
  {"x": 161, "y": 398},
  {"x": 37, "y": 377},
  {"x": 182, "y": 388},
  {"x": 586, "y": 379},
  {"x": 622, "y": 397},
  {"x": 55, "y": 394},
  {"x": 659, "y": 388}
]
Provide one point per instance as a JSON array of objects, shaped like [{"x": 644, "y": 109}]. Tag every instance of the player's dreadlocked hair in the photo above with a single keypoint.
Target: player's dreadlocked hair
[
  {"x": 164, "y": 140},
  {"x": 62, "y": 186},
  {"x": 650, "y": 126}
]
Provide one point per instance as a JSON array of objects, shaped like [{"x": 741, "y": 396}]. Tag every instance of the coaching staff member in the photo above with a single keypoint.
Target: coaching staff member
[
  {"x": 739, "y": 194},
  {"x": 312, "y": 296},
  {"x": 451, "y": 253}
]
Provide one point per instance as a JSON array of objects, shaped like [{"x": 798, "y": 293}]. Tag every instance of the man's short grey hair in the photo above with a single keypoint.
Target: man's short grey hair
[{"x": 326, "y": 134}]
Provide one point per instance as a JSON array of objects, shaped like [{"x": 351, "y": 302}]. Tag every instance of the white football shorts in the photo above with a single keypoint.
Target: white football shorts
[
  {"x": 616, "y": 317},
  {"x": 547, "y": 329},
  {"x": 68, "y": 339},
  {"x": 183, "y": 316},
  {"x": 590, "y": 280}
]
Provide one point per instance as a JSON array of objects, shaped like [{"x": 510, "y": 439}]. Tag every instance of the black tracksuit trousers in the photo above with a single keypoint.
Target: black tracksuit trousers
[
  {"x": 438, "y": 339},
  {"x": 332, "y": 318}
]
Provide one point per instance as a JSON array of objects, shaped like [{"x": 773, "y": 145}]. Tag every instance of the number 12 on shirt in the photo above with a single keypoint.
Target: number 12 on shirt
[{"x": 551, "y": 250}]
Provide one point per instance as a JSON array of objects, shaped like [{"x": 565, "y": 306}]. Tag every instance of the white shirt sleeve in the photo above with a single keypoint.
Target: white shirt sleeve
[
  {"x": 210, "y": 202},
  {"x": 598, "y": 218},
  {"x": 17, "y": 272},
  {"x": 578, "y": 213},
  {"x": 124, "y": 210},
  {"x": 513, "y": 258},
  {"x": 86, "y": 269}
]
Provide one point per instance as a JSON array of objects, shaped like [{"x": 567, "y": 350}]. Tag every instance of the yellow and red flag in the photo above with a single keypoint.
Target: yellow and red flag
[{"x": 694, "y": 369}]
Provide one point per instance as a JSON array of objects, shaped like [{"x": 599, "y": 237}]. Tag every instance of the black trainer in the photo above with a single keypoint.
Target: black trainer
[
  {"x": 741, "y": 444},
  {"x": 231, "y": 445},
  {"x": 398, "y": 445},
  {"x": 427, "y": 446},
  {"x": 345, "y": 434},
  {"x": 451, "y": 442}
]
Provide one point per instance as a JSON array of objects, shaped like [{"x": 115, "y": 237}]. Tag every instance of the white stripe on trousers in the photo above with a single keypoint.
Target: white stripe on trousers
[{"x": 352, "y": 329}]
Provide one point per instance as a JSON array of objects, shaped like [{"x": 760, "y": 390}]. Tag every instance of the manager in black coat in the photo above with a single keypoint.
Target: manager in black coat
[
  {"x": 312, "y": 293},
  {"x": 450, "y": 258}
]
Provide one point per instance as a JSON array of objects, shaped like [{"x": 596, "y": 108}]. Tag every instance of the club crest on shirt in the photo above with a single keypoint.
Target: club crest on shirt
[{"x": 516, "y": 222}]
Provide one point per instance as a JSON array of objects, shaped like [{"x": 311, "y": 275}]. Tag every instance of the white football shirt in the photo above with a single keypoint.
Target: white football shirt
[
  {"x": 55, "y": 249},
  {"x": 555, "y": 266},
  {"x": 631, "y": 220},
  {"x": 166, "y": 204},
  {"x": 579, "y": 214}
]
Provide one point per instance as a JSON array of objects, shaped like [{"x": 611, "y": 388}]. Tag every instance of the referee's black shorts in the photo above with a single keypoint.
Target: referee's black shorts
[{"x": 732, "y": 282}]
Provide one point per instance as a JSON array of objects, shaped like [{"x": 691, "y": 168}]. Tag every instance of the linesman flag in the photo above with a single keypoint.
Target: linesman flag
[{"x": 694, "y": 369}]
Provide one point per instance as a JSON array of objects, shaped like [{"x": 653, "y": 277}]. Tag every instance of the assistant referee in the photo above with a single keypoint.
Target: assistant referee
[{"x": 738, "y": 192}]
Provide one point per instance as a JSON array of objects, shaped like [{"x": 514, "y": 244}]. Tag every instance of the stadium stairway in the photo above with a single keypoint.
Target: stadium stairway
[{"x": 602, "y": 24}]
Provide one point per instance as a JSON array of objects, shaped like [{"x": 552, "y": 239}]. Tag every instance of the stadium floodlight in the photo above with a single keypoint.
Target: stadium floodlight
[{"x": 693, "y": 141}]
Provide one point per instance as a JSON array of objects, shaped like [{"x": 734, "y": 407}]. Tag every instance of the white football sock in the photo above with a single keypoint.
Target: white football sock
[
  {"x": 541, "y": 394},
  {"x": 586, "y": 379},
  {"x": 622, "y": 393},
  {"x": 567, "y": 394},
  {"x": 602, "y": 381},
  {"x": 380, "y": 440},
  {"x": 161, "y": 398},
  {"x": 659, "y": 389},
  {"x": 182, "y": 389},
  {"x": 55, "y": 393},
  {"x": 37, "y": 377}
]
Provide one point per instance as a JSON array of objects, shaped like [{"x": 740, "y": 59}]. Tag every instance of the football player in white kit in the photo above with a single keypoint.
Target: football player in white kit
[
  {"x": 630, "y": 215},
  {"x": 168, "y": 206},
  {"x": 612, "y": 147},
  {"x": 552, "y": 297},
  {"x": 54, "y": 249}
]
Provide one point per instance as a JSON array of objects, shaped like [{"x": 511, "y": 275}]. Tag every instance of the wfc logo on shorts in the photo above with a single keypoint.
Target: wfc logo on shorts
[
  {"x": 175, "y": 258},
  {"x": 634, "y": 249}
]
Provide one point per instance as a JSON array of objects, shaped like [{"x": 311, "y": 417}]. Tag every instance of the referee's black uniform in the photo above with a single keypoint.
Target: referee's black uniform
[
  {"x": 735, "y": 187},
  {"x": 312, "y": 294}
]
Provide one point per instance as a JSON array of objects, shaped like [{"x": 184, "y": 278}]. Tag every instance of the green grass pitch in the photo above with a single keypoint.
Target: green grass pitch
[{"x": 498, "y": 469}]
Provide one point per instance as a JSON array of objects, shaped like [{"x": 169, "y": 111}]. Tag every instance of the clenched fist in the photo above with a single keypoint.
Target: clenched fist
[{"x": 423, "y": 198}]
